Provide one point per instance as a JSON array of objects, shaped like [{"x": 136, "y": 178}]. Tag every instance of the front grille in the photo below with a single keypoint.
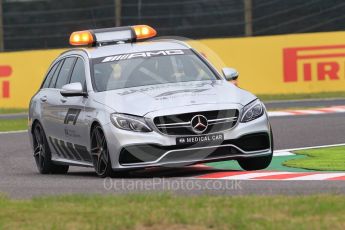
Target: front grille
[{"x": 180, "y": 124}]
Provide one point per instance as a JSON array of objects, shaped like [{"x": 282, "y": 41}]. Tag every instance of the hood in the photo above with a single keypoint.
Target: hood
[{"x": 142, "y": 100}]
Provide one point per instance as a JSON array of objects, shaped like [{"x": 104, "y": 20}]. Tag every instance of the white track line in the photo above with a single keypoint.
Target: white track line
[
  {"x": 12, "y": 132},
  {"x": 248, "y": 176},
  {"x": 319, "y": 176},
  {"x": 282, "y": 153},
  {"x": 295, "y": 176},
  {"x": 311, "y": 147}
]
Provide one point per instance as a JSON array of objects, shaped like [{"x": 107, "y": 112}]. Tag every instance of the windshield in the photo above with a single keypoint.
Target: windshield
[{"x": 149, "y": 68}]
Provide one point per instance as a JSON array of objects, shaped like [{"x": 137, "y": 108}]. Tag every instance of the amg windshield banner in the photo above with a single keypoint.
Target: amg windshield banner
[{"x": 147, "y": 54}]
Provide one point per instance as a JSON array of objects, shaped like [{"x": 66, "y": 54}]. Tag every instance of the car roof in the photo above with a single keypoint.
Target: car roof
[{"x": 109, "y": 50}]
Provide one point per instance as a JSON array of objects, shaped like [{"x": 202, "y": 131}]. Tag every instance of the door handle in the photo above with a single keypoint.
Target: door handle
[
  {"x": 63, "y": 100},
  {"x": 44, "y": 98}
]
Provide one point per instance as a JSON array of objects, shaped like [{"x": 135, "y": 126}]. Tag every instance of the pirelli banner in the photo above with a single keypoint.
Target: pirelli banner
[
  {"x": 21, "y": 74},
  {"x": 286, "y": 64}
]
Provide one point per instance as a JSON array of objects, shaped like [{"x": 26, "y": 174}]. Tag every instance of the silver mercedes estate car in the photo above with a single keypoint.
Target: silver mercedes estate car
[{"x": 124, "y": 102}]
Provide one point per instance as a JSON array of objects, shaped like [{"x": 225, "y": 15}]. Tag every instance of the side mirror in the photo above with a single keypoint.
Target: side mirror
[
  {"x": 73, "y": 90},
  {"x": 230, "y": 74}
]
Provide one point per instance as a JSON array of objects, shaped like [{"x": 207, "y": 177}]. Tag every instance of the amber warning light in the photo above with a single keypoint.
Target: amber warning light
[
  {"x": 111, "y": 35},
  {"x": 81, "y": 38},
  {"x": 144, "y": 32}
]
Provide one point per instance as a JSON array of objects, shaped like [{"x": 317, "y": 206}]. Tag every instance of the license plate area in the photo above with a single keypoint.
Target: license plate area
[{"x": 216, "y": 138}]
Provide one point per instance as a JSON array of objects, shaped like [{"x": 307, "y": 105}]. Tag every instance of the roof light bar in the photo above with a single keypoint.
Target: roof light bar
[{"x": 112, "y": 35}]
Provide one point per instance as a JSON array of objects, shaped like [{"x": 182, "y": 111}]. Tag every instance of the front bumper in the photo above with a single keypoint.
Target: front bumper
[
  {"x": 142, "y": 155},
  {"x": 139, "y": 150}
]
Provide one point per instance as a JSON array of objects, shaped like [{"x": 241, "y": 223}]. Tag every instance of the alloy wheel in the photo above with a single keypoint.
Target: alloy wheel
[
  {"x": 39, "y": 147},
  {"x": 99, "y": 152}
]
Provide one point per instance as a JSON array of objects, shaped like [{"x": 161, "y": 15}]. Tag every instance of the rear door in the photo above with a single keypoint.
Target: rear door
[
  {"x": 47, "y": 99},
  {"x": 54, "y": 111}
]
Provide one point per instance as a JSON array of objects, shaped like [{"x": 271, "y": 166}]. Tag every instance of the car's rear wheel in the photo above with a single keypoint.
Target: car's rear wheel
[
  {"x": 100, "y": 153},
  {"x": 42, "y": 153}
]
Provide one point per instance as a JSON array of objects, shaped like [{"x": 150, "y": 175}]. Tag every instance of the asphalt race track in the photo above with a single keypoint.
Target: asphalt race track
[
  {"x": 19, "y": 178},
  {"x": 308, "y": 130}
]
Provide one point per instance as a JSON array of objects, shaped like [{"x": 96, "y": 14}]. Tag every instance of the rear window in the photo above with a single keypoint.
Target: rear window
[
  {"x": 57, "y": 71},
  {"x": 50, "y": 75},
  {"x": 149, "y": 68}
]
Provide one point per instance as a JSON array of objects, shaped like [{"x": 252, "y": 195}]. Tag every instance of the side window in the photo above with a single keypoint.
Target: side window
[
  {"x": 65, "y": 72},
  {"x": 57, "y": 71},
  {"x": 78, "y": 74},
  {"x": 50, "y": 75}
]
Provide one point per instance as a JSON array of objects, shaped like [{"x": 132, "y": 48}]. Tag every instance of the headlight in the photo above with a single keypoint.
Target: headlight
[
  {"x": 128, "y": 122},
  {"x": 252, "y": 111}
]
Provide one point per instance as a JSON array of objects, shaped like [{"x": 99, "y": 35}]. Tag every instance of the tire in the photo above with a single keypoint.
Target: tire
[
  {"x": 42, "y": 153},
  {"x": 100, "y": 153},
  {"x": 59, "y": 169},
  {"x": 257, "y": 163}
]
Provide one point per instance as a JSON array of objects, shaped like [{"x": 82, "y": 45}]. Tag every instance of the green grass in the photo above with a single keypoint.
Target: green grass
[
  {"x": 325, "y": 159},
  {"x": 12, "y": 110},
  {"x": 282, "y": 97},
  {"x": 13, "y": 125},
  {"x": 163, "y": 211}
]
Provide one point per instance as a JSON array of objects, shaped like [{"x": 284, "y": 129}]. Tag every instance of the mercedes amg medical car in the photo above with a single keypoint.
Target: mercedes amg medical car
[{"x": 124, "y": 102}]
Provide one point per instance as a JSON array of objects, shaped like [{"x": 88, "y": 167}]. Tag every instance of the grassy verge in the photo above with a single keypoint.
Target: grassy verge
[
  {"x": 328, "y": 159},
  {"x": 13, "y": 125},
  {"x": 282, "y": 97},
  {"x": 170, "y": 212},
  {"x": 12, "y": 110}
]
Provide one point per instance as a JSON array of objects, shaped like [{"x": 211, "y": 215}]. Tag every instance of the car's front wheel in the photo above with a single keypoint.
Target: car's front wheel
[
  {"x": 42, "y": 153},
  {"x": 255, "y": 163},
  {"x": 100, "y": 152}
]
